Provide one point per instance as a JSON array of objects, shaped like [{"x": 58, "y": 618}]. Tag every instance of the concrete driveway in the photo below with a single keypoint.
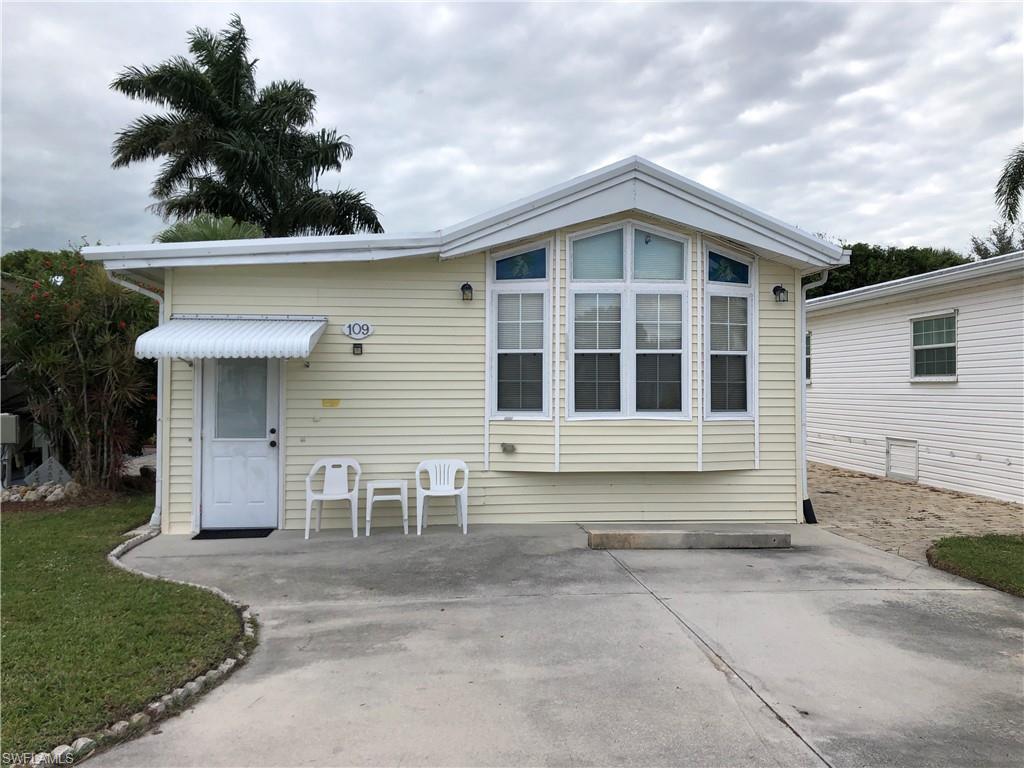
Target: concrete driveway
[{"x": 519, "y": 646}]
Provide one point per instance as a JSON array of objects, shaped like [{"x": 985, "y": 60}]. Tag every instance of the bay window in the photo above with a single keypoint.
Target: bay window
[
  {"x": 519, "y": 305},
  {"x": 729, "y": 308},
  {"x": 628, "y": 300}
]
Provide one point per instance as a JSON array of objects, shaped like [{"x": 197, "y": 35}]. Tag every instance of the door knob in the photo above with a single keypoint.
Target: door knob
[{"x": 273, "y": 443}]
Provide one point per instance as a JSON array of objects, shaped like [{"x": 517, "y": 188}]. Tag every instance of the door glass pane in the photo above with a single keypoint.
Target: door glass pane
[
  {"x": 241, "y": 398},
  {"x": 598, "y": 257}
]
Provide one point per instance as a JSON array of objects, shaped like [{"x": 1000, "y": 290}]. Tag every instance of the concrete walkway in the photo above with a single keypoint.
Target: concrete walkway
[
  {"x": 900, "y": 517},
  {"x": 519, "y": 646}
]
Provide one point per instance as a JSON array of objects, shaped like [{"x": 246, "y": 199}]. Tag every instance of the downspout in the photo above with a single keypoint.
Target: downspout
[
  {"x": 809, "y": 516},
  {"x": 154, "y": 519}
]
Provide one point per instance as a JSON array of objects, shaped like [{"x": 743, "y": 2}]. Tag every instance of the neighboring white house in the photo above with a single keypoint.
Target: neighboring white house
[
  {"x": 623, "y": 346},
  {"x": 923, "y": 378}
]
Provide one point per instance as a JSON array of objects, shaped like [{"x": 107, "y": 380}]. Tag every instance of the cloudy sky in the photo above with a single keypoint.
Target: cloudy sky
[{"x": 885, "y": 123}]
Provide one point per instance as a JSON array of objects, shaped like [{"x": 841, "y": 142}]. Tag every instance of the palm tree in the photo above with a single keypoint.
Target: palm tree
[
  {"x": 1010, "y": 186},
  {"x": 207, "y": 227},
  {"x": 230, "y": 149}
]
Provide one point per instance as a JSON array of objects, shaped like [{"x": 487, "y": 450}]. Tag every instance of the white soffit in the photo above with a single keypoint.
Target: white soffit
[{"x": 193, "y": 337}]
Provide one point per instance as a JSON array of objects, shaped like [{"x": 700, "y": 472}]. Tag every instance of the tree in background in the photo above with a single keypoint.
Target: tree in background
[
  {"x": 230, "y": 149},
  {"x": 1010, "y": 186},
  {"x": 207, "y": 227},
  {"x": 1002, "y": 238},
  {"x": 871, "y": 264},
  {"x": 71, "y": 333}
]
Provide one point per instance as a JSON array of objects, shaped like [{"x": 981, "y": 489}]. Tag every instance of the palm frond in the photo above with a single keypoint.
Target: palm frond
[
  {"x": 176, "y": 83},
  {"x": 288, "y": 103},
  {"x": 145, "y": 138},
  {"x": 208, "y": 227},
  {"x": 231, "y": 72},
  {"x": 343, "y": 212},
  {"x": 206, "y": 194},
  {"x": 1010, "y": 186}
]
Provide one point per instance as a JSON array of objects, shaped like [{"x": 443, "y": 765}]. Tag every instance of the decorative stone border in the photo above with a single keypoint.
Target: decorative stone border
[{"x": 170, "y": 703}]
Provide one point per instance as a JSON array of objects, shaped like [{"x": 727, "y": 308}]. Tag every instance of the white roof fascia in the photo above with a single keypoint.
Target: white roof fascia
[
  {"x": 281, "y": 257},
  {"x": 637, "y": 184},
  {"x": 927, "y": 281},
  {"x": 630, "y": 184},
  {"x": 277, "y": 250}
]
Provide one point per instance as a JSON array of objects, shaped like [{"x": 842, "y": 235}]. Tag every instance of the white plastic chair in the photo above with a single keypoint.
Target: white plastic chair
[
  {"x": 442, "y": 474},
  {"x": 335, "y": 488}
]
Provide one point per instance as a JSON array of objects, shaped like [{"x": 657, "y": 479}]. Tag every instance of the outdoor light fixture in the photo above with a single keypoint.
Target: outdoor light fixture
[
  {"x": 781, "y": 294},
  {"x": 467, "y": 292}
]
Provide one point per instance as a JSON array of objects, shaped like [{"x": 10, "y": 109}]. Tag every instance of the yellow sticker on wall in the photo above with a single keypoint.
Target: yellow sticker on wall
[{"x": 330, "y": 403}]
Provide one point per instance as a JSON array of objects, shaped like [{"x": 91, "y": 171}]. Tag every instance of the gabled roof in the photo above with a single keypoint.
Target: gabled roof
[
  {"x": 887, "y": 291},
  {"x": 633, "y": 184}
]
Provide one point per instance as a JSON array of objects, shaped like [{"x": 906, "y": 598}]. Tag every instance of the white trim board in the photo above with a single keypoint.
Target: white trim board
[{"x": 632, "y": 184}]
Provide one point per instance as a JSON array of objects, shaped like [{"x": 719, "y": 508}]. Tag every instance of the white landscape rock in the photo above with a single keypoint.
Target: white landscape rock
[
  {"x": 51, "y": 492},
  {"x": 83, "y": 746}
]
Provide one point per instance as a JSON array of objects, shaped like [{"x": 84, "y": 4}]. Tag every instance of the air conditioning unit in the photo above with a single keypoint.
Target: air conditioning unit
[{"x": 9, "y": 429}]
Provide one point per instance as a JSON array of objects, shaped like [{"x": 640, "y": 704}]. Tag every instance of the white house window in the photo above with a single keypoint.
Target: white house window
[
  {"x": 729, "y": 310},
  {"x": 659, "y": 357},
  {"x": 807, "y": 356},
  {"x": 657, "y": 258},
  {"x": 598, "y": 257},
  {"x": 520, "y": 333},
  {"x": 935, "y": 346},
  {"x": 530, "y": 265},
  {"x": 628, "y": 299},
  {"x": 597, "y": 350}
]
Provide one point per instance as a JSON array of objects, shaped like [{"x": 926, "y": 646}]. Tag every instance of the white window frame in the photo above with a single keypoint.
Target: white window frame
[
  {"x": 627, "y": 288},
  {"x": 749, "y": 292},
  {"x": 955, "y": 314},
  {"x": 496, "y": 287}
]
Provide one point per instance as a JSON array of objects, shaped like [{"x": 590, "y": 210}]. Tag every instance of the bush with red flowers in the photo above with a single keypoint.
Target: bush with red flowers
[{"x": 68, "y": 335}]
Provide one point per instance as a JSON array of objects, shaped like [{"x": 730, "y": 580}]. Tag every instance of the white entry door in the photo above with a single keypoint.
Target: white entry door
[{"x": 240, "y": 443}]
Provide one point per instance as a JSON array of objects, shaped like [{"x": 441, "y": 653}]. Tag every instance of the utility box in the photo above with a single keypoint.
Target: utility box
[{"x": 9, "y": 429}]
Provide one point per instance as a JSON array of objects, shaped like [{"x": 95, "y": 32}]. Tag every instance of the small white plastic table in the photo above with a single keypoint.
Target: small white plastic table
[{"x": 401, "y": 493}]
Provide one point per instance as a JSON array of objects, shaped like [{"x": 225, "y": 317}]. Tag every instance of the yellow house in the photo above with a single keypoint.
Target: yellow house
[{"x": 626, "y": 346}]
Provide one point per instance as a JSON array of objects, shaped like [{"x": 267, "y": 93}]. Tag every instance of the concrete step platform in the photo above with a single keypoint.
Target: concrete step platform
[{"x": 651, "y": 538}]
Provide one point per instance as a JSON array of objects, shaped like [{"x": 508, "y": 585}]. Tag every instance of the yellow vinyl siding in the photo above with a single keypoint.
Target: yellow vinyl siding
[
  {"x": 178, "y": 424},
  {"x": 418, "y": 391},
  {"x": 534, "y": 443}
]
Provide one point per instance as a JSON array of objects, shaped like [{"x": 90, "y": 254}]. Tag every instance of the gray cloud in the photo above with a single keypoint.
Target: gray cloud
[{"x": 885, "y": 123}]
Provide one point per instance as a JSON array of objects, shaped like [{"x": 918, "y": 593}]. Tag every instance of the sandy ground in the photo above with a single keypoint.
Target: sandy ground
[{"x": 903, "y": 518}]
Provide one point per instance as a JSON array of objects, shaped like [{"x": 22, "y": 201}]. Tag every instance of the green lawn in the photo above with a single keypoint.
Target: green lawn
[
  {"x": 84, "y": 643},
  {"x": 995, "y": 560}
]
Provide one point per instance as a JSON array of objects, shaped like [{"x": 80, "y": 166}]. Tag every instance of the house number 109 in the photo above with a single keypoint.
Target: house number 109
[{"x": 357, "y": 329}]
